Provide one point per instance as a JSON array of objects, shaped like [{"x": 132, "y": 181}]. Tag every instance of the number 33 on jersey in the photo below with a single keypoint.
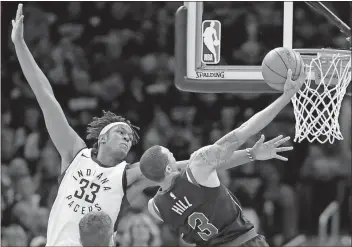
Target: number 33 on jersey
[{"x": 86, "y": 186}]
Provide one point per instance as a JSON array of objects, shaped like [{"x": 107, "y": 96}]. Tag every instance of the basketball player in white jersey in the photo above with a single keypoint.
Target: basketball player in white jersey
[
  {"x": 91, "y": 179},
  {"x": 210, "y": 38}
]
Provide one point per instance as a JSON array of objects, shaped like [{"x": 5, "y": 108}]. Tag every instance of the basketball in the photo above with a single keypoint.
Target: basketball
[
  {"x": 216, "y": 42},
  {"x": 276, "y": 64}
]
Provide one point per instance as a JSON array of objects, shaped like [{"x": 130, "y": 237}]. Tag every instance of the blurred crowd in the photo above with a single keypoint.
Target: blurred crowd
[
  {"x": 249, "y": 30},
  {"x": 118, "y": 56}
]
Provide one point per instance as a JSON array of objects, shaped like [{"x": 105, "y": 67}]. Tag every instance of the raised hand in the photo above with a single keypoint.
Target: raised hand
[
  {"x": 292, "y": 87},
  {"x": 268, "y": 150},
  {"x": 17, "y": 26}
]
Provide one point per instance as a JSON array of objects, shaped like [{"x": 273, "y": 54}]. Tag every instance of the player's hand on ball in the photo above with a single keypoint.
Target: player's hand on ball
[
  {"x": 268, "y": 150},
  {"x": 292, "y": 87},
  {"x": 17, "y": 26}
]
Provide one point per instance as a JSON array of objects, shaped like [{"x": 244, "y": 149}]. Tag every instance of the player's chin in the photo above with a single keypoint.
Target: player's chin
[{"x": 123, "y": 151}]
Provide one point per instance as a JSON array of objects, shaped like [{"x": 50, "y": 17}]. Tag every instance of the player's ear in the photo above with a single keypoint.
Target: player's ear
[
  {"x": 102, "y": 139},
  {"x": 168, "y": 169}
]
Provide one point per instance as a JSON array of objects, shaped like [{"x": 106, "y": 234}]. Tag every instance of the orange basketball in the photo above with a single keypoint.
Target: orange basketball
[{"x": 276, "y": 64}]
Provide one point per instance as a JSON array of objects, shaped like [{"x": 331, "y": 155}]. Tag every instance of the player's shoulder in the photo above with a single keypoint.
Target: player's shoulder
[
  {"x": 86, "y": 152},
  {"x": 206, "y": 149},
  {"x": 77, "y": 160},
  {"x": 132, "y": 165},
  {"x": 208, "y": 154},
  {"x": 82, "y": 157}
]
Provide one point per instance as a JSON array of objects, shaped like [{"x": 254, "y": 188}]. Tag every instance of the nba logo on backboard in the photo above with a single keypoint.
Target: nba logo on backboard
[{"x": 211, "y": 36}]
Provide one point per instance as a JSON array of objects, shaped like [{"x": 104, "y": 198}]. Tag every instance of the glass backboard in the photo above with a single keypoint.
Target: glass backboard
[{"x": 249, "y": 30}]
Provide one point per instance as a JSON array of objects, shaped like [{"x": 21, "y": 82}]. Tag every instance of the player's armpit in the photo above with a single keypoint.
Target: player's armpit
[{"x": 153, "y": 209}]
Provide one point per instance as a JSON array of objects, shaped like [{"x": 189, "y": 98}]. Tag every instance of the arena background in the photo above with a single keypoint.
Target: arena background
[{"x": 118, "y": 56}]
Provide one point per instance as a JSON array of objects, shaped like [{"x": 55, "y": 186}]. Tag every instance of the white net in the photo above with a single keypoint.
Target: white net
[{"x": 317, "y": 105}]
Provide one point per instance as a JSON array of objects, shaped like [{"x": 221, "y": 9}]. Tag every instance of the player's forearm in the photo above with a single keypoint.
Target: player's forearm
[
  {"x": 233, "y": 140},
  {"x": 35, "y": 77},
  {"x": 137, "y": 188},
  {"x": 239, "y": 157},
  {"x": 261, "y": 119}
]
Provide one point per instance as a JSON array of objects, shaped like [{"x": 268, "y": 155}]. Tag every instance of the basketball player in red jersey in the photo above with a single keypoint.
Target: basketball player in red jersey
[
  {"x": 91, "y": 179},
  {"x": 193, "y": 201}
]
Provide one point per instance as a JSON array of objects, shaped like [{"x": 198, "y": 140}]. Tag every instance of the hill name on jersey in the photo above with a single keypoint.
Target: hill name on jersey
[{"x": 181, "y": 206}]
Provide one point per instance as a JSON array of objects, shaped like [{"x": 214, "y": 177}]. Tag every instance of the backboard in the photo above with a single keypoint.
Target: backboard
[{"x": 247, "y": 31}]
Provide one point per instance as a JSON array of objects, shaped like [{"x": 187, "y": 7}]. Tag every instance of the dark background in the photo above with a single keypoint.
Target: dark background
[{"x": 252, "y": 29}]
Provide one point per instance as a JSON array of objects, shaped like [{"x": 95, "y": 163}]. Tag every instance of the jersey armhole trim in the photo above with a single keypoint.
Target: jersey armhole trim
[
  {"x": 233, "y": 199},
  {"x": 154, "y": 209},
  {"x": 124, "y": 180},
  {"x": 74, "y": 157},
  {"x": 190, "y": 176},
  {"x": 62, "y": 175}
]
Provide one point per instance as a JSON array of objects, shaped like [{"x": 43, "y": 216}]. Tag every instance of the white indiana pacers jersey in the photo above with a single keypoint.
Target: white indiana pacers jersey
[{"x": 85, "y": 187}]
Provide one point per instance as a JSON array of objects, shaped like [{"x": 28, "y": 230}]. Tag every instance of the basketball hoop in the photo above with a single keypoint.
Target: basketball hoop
[{"x": 317, "y": 105}]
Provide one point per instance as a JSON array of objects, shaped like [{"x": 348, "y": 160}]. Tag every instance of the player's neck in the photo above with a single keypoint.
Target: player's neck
[
  {"x": 167, "y": 183},
  {"x": 107, "y": 159}
]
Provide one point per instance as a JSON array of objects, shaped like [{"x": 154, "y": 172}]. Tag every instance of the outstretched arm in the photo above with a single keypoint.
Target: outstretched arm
[
  {"x": 260, "y": 151},
  {"x": 224, "y": 147},
  {"x": 65, "y": 139},
  {"x": 206, "y": 161}
]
